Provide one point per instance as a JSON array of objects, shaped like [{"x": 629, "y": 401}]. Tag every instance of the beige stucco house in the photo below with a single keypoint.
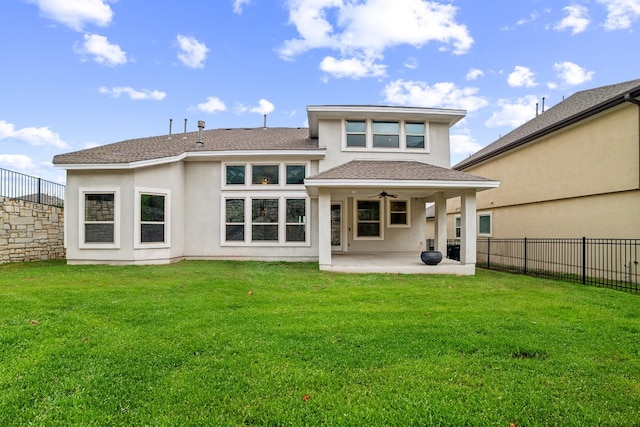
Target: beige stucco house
[
  {"x": 348, "y": 192},
  {"x": 572, "y": 171}
]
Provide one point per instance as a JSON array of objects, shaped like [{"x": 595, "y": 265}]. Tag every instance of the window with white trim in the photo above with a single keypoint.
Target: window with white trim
[
  {"x": 235, "y": 174},
  {"x": 458, "y": 227},
  {"x": 152, "y": 218},
  {"x": 99, "y": 210},
  {"x": 399, "y": 213},
  {"x": 484, "y": 224},
  {"x": 368, "y": 219},
  {"x": 385, "y": 135},
  {"x": 277, "y": 220},
  {"x": 263, "y": 175}
]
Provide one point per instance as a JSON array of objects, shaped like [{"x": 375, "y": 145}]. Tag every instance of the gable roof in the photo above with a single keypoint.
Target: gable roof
[
  {"x": 172, "y": 146},
  {"x": 578, "y": 106}
]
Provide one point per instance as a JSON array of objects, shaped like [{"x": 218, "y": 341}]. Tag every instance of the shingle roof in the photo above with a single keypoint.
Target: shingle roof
[
  {"x": 576, "y": 107},
  {"x": 394, "y": 170},
  {"x": 157, "y": 147}
]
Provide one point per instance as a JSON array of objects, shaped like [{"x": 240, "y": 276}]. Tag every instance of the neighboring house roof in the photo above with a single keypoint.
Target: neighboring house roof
[
  {"x": 171, "y": 146},
  {"x": 578, "y": 106}
]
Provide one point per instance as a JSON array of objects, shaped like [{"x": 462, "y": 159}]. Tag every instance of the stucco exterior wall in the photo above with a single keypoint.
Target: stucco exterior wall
[
  {"x": 581, "y": 181},
  {"x": 30, "y": 231},
  {"x": 331, "y": 136}
]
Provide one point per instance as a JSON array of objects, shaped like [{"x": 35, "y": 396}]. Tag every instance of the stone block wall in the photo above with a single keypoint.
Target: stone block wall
[{"x": 30, "y": 231}]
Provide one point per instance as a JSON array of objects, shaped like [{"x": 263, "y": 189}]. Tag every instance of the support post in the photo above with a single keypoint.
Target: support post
[{"x": 468, "y": 228}]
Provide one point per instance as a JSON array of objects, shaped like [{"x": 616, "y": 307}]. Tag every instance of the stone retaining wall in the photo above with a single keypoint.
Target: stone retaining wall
[{"x": 30, "y": 231}]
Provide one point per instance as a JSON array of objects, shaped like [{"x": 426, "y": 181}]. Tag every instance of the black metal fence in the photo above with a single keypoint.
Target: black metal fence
[
  {"x": 15, "y": 185},
  {"x": 611, "y": 263}
]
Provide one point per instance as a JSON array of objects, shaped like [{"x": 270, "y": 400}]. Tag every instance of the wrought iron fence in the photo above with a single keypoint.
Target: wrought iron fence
[
  {"x": 611, "y": 263},
  {"x": 15, "y": 185}
]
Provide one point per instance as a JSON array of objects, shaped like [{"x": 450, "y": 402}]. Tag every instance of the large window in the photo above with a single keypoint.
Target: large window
[
  {"x": 152, "y": 218},
  {"x": 99, "y": 217},
  {"x": 295, "y": 174},
  {"x": 386, "y": 134},
  {"x": 277, "y": 220},
  {"x": 264, "y": 219},
  {"x": 263, "y": 175},
  {"x": 356, "y": 133},
  {"x": 368, "y": 220}
]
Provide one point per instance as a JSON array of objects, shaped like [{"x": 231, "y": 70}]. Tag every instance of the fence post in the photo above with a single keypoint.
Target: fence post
[
  {"x": 39, "y": 189},
  {"x": 584, "y": 260},
  {"x": 525, "y": 255},
  {"x": 488, "y": 252}
]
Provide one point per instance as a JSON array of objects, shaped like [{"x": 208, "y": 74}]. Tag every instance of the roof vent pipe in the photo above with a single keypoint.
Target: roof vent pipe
[
  {"x": 264, "y": 124},
  {"x": 185, "y": 125},
  {"x": 170, "y": 124},
  {"x": 536, "y": 109},
  {"x": 200, "y": 127},
  {"x": 543, "y": 104}
]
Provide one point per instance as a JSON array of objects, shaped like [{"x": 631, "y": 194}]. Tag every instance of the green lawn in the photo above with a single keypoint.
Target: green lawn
[{"x": 250, "y": 343}]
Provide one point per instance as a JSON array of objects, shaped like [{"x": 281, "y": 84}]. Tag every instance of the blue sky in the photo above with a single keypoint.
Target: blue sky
[{"x": 82, "y": 73}]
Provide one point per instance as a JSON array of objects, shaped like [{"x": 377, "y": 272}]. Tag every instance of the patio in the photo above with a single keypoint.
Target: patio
[{"x": 393, "y": 262}]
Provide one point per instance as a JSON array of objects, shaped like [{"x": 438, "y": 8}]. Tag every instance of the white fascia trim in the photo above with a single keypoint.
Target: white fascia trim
[
  {"x": 348, "y": 183},
  {"x": 212, "y": 155}
]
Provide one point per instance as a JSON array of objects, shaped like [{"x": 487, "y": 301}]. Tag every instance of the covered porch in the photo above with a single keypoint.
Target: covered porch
[{"x": 365, "y": 236}]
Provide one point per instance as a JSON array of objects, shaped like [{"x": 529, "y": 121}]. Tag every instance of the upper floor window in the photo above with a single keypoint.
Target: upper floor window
[
  {"x": 386, "y": 134},
  {"x": 295, "y": 174},
  {"x": 265, "y": 174},
  {"x": 414, "y": 134},
  {"x": 356, "y": 133},
  {"x": 235, "y": 174}
]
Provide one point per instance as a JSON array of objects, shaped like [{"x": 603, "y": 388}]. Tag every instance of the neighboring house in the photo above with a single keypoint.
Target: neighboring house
[
  {"x": 354, "y": 183},
  {"x": 572, "y": 171}
]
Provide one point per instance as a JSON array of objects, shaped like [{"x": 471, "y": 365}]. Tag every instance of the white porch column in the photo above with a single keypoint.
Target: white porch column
[
  {"x": 324, "y": 228},
  {"x": 468, "y": 227},
  {"x": 441, "y": 223}
]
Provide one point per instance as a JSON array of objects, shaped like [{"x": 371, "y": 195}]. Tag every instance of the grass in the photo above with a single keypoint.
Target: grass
[{"x": 250, "y": 343}]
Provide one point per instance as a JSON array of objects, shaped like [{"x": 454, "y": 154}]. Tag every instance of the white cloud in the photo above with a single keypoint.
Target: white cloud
[
  {"x": 17, "y": 162},
  {"x": 411, "y": 63},
  {"x": 463, "y": 143},
  {"x": 353, "y": 67},
  {"x": 365, "y": 29},
  {"x": 513, "y": 114},
  {"x": 102, "y": 51},
  {"x": 572, "y": 74},
  {"x": 134, "y": 94},
  {"x": 523, "y": 21},
  {"x": 621, "y": 13},
  {"x": 238, "y": 5},
  {"x": 264, "y": 107},
  {"x": 212, "y": 105},
  {"x": 521, "y": 76},
  {"x": 77, "y": 13},
  {"x": 577, "y": 19},
  {"x": 42, "y": 136},
  {"x": 192, "y": 52},
  {"x": 474, "y": 74},
  {"x": 440, "y": 95}
]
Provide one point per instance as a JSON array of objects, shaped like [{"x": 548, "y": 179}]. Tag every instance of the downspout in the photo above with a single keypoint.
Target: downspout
[{"x": 629, "y": 98}]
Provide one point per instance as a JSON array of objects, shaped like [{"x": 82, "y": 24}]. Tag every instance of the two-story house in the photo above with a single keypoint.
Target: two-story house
[{"x": 348, "y": 192}]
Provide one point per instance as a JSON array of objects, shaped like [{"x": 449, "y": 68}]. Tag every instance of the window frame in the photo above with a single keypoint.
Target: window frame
[
  {"x": 402, "y": 136},
  {"x": 380, "y": 221},
  {"x": 407, "y": 212},
  {"x": 399, "y": 124},
  {"x": 82, "y": 192},
  {"x": 281, "y": 223},
  {"x": 138, "y": 243},
  {"x": 490, "y": 216},
  {"x": 457, "y": 226},
  {"x": 248, "y": 177}
]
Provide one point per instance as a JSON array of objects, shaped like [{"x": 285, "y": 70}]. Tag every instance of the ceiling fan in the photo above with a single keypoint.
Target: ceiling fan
[{"x": 384, "y": 194}]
